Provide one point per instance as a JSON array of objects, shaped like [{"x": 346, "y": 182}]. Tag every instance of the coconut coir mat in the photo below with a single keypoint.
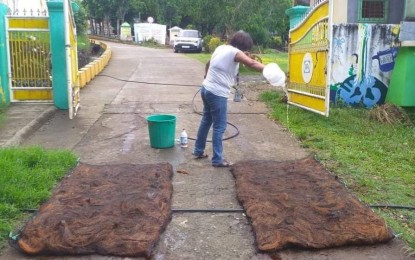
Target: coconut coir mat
[
  {"x": 299, "y": 204},
  {"x": 109, "y": 210}
]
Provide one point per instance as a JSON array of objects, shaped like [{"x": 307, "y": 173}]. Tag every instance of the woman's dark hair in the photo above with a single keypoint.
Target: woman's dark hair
[{"x": 242, "y": 41}]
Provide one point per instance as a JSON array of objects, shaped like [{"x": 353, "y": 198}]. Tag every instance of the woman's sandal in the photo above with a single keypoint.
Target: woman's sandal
[
  {"x": 224, "y": 163},
  {"x": 201, "y": 156}
]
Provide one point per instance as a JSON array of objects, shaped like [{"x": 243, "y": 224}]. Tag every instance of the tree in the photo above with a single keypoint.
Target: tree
[
  {"x": 261, "y": 18},
  {"x": 171, "y": 13},
  {"x": 122, "y": 8},
  {"x": 268, "y": 19},
  {"x": 80, "y": 18},
  {"x": 95, "y": 14}
]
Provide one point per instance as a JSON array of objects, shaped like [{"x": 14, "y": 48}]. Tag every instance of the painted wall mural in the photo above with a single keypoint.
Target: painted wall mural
[{"x": 363, "y": 58}]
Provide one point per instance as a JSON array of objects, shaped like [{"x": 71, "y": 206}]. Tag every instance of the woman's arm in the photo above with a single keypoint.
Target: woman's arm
[
  {"x": 207, "y": 68},
  {"x": 246, "y": 60}
]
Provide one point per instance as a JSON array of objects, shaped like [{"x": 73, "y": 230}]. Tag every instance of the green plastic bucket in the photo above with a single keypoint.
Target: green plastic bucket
[{"x": 162, "y": 130}]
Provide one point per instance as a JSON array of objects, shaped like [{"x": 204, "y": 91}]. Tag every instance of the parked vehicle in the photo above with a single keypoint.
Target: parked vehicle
[{"x": 188, "y": 41}]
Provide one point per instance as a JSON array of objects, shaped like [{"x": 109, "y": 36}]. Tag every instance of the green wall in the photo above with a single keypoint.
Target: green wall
[{"x": 4, "y": 81}]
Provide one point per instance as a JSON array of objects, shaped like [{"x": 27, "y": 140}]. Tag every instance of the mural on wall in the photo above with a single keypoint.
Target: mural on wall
[{"x": 362, "y": 61}]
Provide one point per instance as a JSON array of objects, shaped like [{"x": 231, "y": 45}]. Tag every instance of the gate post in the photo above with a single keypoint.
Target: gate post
[
  {"x": 295, "y": 14},
  {"x": 4, "y": 71},
  {"x": 57, "y": 40}
]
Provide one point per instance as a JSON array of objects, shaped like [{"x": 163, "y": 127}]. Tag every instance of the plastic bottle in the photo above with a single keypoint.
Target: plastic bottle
[{"x": 183, "y": 139}]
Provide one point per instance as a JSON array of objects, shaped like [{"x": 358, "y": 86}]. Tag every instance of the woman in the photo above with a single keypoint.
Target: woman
[{"x": 220, "y": 74}]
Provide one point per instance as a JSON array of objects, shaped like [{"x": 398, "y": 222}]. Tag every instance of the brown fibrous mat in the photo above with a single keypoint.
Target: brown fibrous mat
[
  {"x": 300, "y": 204},
  {"x": 109, "y": 210}
]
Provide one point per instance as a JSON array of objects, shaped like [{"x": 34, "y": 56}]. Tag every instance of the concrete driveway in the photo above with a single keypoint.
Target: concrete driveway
[{"x": 111, "y": 128}]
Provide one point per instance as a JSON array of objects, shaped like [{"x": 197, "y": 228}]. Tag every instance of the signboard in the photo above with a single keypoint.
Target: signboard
[
  {"x": 125, "y": 33},
  {"x": 146, "y": 31}
]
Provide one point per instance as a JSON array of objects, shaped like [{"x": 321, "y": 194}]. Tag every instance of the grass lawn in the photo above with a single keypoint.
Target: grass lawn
[{"x": 27, "y": 178}]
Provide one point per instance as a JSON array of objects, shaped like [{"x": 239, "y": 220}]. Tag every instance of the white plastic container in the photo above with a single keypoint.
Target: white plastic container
[
  {"x": 274, "y": 75},
  {"x": 183, "y": 139}
]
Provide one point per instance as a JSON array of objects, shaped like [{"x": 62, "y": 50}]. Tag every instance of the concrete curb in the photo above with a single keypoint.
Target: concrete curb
[{"x": 30, "y": 128}]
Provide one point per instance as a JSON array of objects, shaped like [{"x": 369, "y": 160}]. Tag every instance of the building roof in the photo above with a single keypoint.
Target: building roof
[{"x": 175, "y": 28}]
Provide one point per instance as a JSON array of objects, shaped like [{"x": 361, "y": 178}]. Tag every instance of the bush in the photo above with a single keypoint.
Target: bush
[
  {"x": 81, "y": 19},
  {"x": 214, "y": 43},
  {"x": 276, "y": 42},
  {"x": 151, "y": 43},
  {"x": 206, "y": 41},
  {"x": 83, "y": 42}
]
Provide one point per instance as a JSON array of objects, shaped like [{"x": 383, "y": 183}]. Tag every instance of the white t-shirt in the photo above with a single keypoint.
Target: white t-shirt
[{"x": 222, "y": 71}]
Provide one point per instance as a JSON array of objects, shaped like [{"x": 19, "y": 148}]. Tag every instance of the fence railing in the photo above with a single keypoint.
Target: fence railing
[{"x": 28, "y": 12}]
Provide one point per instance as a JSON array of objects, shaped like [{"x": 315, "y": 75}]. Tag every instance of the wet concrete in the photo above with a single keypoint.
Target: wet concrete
[{"x": 111, "y": 128}]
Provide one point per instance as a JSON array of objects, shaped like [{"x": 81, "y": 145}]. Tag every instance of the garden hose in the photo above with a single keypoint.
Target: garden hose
[
  {"x": 223, "y": 210},
  {"x": 193, "y": 104},
  {"x": 385, "y": 206}
]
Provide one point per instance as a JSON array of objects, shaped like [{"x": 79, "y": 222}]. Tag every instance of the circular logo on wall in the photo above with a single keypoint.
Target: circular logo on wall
[{"x": 307, "y": 67}]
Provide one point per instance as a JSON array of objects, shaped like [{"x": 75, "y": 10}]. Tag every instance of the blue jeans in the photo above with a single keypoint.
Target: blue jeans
[{"x": 214, "y": 114}]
